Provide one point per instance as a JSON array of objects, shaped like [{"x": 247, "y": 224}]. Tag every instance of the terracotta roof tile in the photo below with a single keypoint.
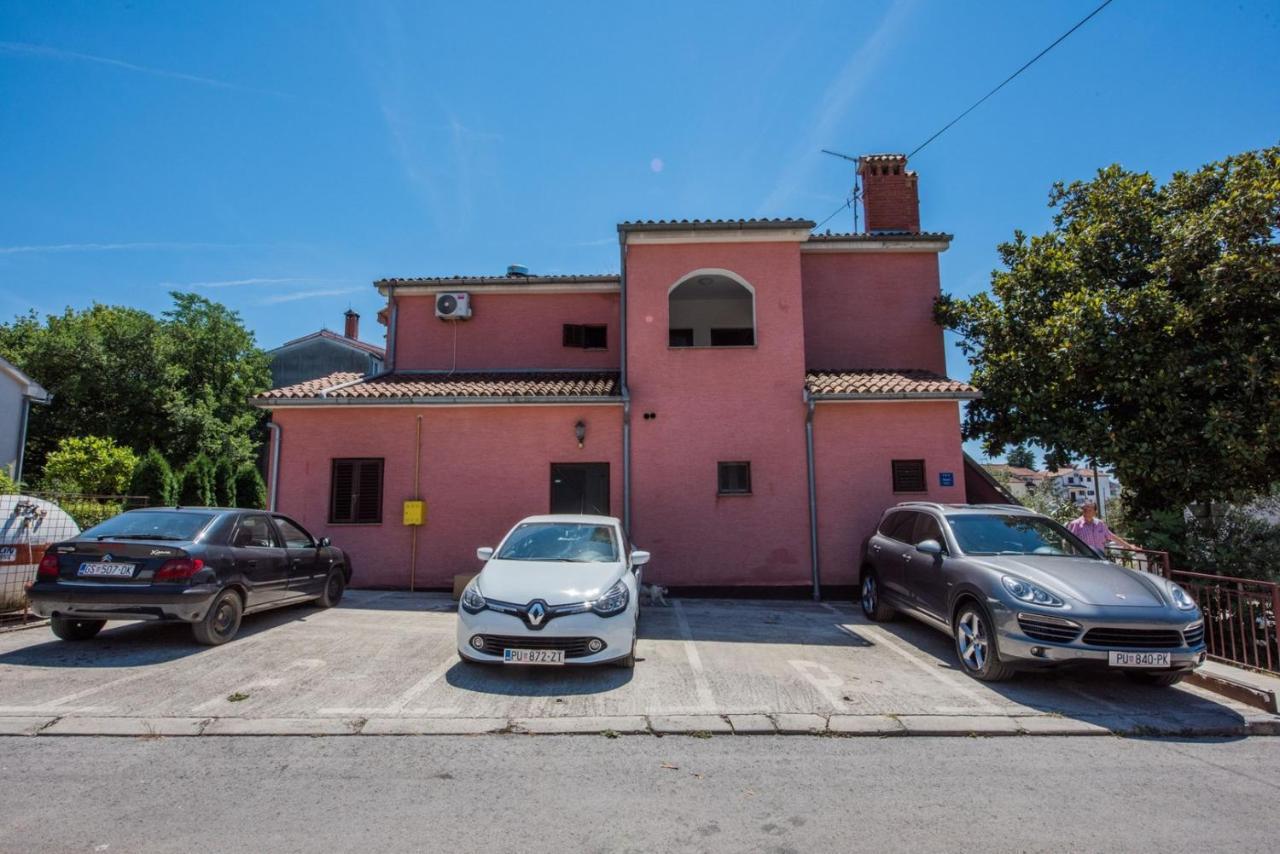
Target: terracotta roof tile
[
  {"x": 399, "y": 387},
  {"x": 712, "y": 224},
  {"x": 581, "y": 278},
  {"x": 886, "y": 384},
  {"x": 883, "y": 235}
]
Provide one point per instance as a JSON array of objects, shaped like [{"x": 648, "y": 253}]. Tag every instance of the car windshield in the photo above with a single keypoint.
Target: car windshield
[
  {"x": 1001, "y": 534},
  {"x": 574, "y": 542},
  {"x": 150, "y": 525}
]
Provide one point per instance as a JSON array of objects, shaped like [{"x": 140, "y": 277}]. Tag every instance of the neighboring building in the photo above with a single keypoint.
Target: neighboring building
[
  {"x": 1077, "y": 484},
  {"x": 693, "y": 395},
  {"x": 17, "y": 392},
  {"x": 323, "y": 353}
]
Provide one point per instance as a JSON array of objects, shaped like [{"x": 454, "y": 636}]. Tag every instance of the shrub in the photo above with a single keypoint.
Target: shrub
[
  {"x": 251, "y": 492},
  {"x": 225, "y": 482},
  {"x": 89, "y": 464},
  {"x": 1239, "y": 541},
  {"x": 154, "y": 479},
  {"x": 198, "y": 487},
  {"x": 8, "y": 486}
]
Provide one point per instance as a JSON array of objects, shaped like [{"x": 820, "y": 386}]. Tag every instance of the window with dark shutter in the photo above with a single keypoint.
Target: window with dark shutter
[
  {"x": 908, "y": 476},
  {"x": 355, "y": 491},
  {"x": 586, "y": 336},
  {"x": 734, "y": 478}
]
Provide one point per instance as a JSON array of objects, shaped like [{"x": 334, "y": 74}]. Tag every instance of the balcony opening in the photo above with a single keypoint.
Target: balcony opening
[{"x": 711, "y": 309}]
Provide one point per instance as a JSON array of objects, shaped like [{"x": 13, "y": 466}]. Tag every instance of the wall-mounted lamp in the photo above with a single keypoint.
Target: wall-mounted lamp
[{"x": 580, "y": 430}]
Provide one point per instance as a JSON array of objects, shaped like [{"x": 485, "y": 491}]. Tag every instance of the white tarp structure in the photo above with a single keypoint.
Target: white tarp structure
[{"x": 27, "y": 527}]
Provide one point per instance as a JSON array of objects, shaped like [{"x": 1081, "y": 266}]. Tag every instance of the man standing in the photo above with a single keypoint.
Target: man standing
[{"x": 1093, "y": 531}]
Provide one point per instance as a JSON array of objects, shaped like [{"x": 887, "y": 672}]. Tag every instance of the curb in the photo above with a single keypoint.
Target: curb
[{"x": 654, "y": 726}]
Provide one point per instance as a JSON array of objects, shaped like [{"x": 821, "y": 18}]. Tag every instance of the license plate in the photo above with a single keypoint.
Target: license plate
[
  {"x": 8, "y": 554},
  {"x": 1139, "y": 659},
  {"x": 533, "y": 656},
  {"x": 106, "y": 570}
]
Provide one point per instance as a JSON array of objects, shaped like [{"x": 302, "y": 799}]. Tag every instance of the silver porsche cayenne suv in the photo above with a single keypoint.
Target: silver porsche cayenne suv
[{"x": 1016, "y": 590}]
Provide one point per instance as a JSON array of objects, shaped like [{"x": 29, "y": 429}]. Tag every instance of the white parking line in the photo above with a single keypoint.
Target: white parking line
[
  {"x": 412, "y": 693},
  {"x": 825, "y": 680},
  {"x": 944, "y": 676},
  {"x": 706, "y": 700}
]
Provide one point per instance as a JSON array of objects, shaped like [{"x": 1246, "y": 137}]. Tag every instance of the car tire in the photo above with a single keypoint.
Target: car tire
[
  {"x": 873, "y": 604},
  {"x": 1163, "y": 680},
  {"x": 976, "y": 646},
  {"x": 76, "y": 630},
  {"x": 334, "y": 586},
  {"x": 222, "y": 621}
]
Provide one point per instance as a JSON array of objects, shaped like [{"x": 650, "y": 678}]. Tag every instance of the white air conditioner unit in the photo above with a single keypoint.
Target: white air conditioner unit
[{"x": 454, "y": 306}]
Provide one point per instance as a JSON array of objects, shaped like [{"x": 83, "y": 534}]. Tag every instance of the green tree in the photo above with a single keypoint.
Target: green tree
[
  {"x": 154, "y": 479},
  {"x": 1022, "y": 457},
  {"x": 179, "y": 383},
  {"x": 217, "y": 367},
  {"x": 90, "y": 464},
  {"x": 251, "y": 492},
  {"x": 1142, "y": 330},
  {"x": 198, "y": 485}
]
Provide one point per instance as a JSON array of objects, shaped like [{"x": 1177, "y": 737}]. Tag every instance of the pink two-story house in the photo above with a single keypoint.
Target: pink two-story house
[{"x": 746, "y": 395}]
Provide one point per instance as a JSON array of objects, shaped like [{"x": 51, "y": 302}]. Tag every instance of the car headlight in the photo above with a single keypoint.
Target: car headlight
[
  {"x": 613, "y": 602},
  {"x": 1181, "y": 598},
  {"x": 472, "y": 602},
  {"x": 1025, "y": 591}
]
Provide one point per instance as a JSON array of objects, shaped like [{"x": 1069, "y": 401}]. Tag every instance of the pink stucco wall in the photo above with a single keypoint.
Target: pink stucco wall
[
  {"x": 854, "y": 445},
  {"x": 483, "y": 469},
  {"x": 719, "y": 404},
  {"x": 505, "y": 332},
  {"x": 871, "y": 310}
]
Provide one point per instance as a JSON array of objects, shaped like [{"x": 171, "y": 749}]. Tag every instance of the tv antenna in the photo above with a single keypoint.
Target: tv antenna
[{"x": 856, "y": 197}]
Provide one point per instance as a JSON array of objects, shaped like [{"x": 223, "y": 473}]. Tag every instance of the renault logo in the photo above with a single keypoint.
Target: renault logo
[{"x": 536, "y": 612}]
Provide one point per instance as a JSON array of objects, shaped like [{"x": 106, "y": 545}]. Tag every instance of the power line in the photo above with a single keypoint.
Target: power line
[
  {"x": 846, "y": 204},
  {"x": 1030, "y": 63}
]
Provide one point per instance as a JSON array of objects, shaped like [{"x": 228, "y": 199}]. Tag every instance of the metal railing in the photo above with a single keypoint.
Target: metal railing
[
  {"x": 30, "y": 522},
  {"x": 1239, "y": 613}
]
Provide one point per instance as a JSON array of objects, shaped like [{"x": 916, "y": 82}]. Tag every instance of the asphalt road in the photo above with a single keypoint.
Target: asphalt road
[{"x": 679, "y": 793}]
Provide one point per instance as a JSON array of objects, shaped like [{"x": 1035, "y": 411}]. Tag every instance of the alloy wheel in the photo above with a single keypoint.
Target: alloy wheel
[
  {"x": 869, "y": 594},
  {"x": 971, "y": 635}
]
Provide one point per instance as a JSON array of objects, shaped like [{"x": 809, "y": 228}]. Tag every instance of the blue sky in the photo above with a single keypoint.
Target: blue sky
[{"x": 280, "y": 156}]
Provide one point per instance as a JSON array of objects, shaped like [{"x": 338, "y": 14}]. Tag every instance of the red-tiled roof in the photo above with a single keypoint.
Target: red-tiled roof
[
  {"x": 878, "y": 236},
  {"x": 534, "y": 385},
  {"x": 885, "y": 385},
  {"x": 582, "y": 278},
  {"x": 712, "y": 224}
]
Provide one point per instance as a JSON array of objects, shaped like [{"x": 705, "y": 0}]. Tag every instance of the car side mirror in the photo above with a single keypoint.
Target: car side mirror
[
  {"x": 325, "y": 542},
  {"x": 639, "y": 557},
  {"x": 929, "y": 547},
  {"x": 484, "y": 552}
]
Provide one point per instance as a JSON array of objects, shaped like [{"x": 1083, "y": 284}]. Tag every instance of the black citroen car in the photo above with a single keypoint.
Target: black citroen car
[{"x": 207, "y": 566}]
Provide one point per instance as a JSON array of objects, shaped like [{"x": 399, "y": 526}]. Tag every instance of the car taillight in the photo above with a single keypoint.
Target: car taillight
[
  {"x": 178, "y": 569},
  {"x": 48, "y": 566}
]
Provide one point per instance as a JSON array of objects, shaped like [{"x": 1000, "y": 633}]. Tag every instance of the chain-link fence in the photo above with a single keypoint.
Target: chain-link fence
[{"x": 30, "y": 522}]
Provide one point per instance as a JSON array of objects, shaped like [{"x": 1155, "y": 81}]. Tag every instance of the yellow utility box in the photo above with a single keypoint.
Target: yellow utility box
[{"x": 415, "y": 512}]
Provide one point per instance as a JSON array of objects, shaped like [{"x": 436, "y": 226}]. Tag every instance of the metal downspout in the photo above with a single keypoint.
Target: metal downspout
[
  {"x": 813, "y": 496},
  {"x": 392, "y": 321},
  {"x": 626, "y": 392},
  {"x": 275, "y": 464},
  {"x": 22, "y": 441}
]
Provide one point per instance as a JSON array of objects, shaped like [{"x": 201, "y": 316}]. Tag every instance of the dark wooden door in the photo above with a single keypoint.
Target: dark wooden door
[{"x": 580, "y": 488}]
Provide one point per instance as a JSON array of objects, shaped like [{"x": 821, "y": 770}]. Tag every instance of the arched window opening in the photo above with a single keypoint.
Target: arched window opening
[{"x": 711, "y": 310}]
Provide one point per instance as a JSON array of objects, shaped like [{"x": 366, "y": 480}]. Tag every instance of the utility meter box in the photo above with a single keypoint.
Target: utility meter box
[{"x": 415, "y": 512}]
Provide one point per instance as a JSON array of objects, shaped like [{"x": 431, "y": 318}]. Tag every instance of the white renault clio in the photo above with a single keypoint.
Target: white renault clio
[{"x": 558, "y": 590}]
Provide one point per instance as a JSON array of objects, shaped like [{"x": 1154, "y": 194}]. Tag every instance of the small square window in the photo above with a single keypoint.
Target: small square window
[
  {"x": 355, "y": 491},
  {"x": 734, "y": 478},
  {"x": 908, "y": 476}
]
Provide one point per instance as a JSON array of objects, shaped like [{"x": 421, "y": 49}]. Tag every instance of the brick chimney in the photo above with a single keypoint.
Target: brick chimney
[
  {"x": 352, "y": 329},
  {"x": 890, "y": 198}
]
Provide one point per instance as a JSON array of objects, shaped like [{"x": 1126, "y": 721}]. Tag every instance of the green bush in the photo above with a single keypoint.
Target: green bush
[
  {"x": 225, "y": 482},
  {"x": 89, "y": 464},
  {"x": 198, "y": 487},
  {"x": 1235, "y": 541},
  {"x": 251, "y": 492},
  {"x": 154, "y": 479},
  {"x": 88, "y": 512},
  {"x": 8, "y": 486}
]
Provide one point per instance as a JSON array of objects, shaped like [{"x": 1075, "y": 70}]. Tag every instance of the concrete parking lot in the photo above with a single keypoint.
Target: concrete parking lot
[{"x": 385, "y": 663}]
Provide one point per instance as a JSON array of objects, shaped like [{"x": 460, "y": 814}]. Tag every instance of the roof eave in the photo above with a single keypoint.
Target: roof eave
[
  {"x": 419, "y": 400},
  {"x": 853, "y": 397}
]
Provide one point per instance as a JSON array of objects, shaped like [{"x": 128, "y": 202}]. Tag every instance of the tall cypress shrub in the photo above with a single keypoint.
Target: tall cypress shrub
[
  {"x": 225, "y": 483},
  {"x": 198, "y": 487},
  {"x": 251, "y": 492},
  {"x": 154, "y": 479}
]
